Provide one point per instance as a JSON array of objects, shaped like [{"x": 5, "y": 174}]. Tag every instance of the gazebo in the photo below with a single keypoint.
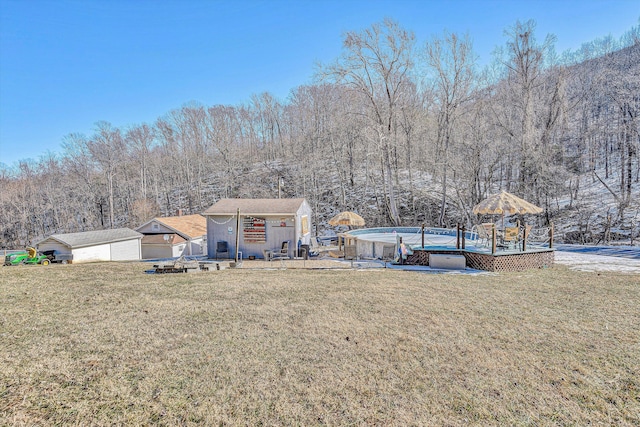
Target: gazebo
[{"x": 505, "y": 203}]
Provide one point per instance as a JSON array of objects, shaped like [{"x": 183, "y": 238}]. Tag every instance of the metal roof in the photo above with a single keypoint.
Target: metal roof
[
  {"x": 256, "y": 207},
  {"x": 91, "y": 238}
]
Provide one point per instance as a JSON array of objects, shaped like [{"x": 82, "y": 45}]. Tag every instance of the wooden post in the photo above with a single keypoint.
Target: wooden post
[
  {"x": 458, "y": 236},
  {"x": 463, "y": 231},
  {"x": 423, "y": 235},
  {"x": 524, "y": 238},
  {"x": 551, "y": 235},
  {"x": 493, "y": 239},
  {"x": 237, "y": 234}
]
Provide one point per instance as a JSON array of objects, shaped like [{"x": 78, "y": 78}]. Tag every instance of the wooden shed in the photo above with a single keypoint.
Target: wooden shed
[
  {"x": 174, "y": 236},
  {"x": 264, "y": 225},
  {"x": 120, "y": 244}
]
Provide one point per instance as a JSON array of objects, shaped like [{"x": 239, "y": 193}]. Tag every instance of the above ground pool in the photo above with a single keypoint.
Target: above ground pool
[{"x": 371, "y": 242}]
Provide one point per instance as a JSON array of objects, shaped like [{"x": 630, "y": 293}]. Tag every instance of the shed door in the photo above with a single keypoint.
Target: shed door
[
  {"x": 156, "y": 251},
  {"x": 125, "y": 251}
]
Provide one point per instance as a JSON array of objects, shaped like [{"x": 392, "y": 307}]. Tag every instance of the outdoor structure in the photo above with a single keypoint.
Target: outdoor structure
[
  {"x": 120, "y": 244},
  {"x": 348, "y": 218},
  {"x": 504, "y": 203},
  {"x": 264, "y": 224},
  {"x": 479, "y": 260},
  {"x": 174, "y": 236},
  {"x": 441, "y": 248}
]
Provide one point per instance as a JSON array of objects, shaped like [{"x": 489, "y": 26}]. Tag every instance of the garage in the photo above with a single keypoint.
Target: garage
[{"x": 120, "y": 244}]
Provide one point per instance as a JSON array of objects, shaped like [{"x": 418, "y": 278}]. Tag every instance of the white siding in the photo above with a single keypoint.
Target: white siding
[
  {"x": 92, "y": 253},
  {"x": 128, "y": 250},
  {"x": 305, "y": 239},
  {"x": 179, "y": 250}
]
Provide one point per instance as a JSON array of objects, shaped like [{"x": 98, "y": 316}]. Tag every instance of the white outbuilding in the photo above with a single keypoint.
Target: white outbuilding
[{"x": 120, "y": 244}]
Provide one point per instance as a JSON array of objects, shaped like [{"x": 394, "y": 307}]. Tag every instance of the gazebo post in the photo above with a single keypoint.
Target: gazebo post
[
  {"x": 551, "y": 235},
  {"x": 493, "y": 239}
]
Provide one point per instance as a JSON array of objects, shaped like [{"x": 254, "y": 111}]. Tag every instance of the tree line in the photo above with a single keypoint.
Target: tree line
[{"x": 402, "y": 132}]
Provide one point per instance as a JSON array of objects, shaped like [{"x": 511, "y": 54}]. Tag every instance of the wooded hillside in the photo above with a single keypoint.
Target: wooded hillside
[{"x": 401, "y": 132}]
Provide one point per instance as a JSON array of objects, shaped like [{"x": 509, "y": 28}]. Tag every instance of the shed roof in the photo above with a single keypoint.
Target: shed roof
[
  {"x": 189, "y": 226},
  {"x": 90, "y": 238},
  {"x": 256, "y": 206}
]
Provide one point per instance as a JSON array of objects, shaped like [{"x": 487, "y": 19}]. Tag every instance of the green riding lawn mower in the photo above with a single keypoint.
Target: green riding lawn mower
[{"x": 32, "y": 257}]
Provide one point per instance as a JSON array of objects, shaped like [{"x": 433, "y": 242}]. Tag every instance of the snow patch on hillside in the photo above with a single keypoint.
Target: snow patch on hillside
[{"x": 595, "y": 263}]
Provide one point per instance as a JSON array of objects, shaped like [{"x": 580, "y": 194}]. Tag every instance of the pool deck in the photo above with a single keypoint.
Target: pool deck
[
  {"x": 372, "y": 242},
  {"x": 508, "y": 260}
]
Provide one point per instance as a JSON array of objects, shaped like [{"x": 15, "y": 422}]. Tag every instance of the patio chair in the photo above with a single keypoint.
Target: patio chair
[
  {"x": 388, "y": 254},
  {"x": 485, "y": 233},
  {"x": 350, "y": 253},
  {"x": 314, "y": 247},
  {"x": 510, "y": 238},
  {"x": 282, "y": 253}
]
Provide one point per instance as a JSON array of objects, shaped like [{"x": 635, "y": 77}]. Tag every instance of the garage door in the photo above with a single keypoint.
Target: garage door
[{"x": 128, "y": 250}]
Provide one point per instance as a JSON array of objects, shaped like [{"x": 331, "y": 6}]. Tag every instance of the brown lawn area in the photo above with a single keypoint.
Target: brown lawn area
[{"x": 107, "y": 344}]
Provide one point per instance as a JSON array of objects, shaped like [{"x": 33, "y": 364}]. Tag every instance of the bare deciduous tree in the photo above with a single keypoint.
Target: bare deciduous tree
[
  {"x": 451, "y": 64},
  {"x": 376, "y": 63}
]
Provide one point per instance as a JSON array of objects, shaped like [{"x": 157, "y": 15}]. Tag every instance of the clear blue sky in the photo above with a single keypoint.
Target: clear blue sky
[{"x": 67, "y": 64}]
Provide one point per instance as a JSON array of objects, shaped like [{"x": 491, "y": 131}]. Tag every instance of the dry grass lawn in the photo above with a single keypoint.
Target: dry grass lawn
[{"x": 106, "y": 344}]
